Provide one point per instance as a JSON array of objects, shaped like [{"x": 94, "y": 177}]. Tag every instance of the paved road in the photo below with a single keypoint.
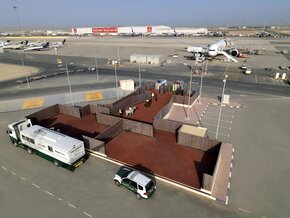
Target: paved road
[{"x": 86, "y": 80}]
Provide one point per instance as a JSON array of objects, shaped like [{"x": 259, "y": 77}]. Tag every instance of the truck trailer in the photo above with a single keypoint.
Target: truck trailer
[{"x": 52, "y": 145}]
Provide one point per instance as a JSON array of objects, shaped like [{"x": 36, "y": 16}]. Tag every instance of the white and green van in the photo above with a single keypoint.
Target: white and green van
[{"x": 141, "y": 185}]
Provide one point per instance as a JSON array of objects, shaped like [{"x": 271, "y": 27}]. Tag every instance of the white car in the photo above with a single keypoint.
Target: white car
[
  {"x": 248, "y": 71},
  {"x": 141, "y": 185}
]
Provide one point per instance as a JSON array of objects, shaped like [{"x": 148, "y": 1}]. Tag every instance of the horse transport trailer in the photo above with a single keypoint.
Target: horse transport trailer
[{"x": 52, "y": 145}]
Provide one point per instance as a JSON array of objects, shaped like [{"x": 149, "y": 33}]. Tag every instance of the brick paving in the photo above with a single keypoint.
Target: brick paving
[
  {"x": 75, "y": 127},
  {"x": 162, "y": 156}
]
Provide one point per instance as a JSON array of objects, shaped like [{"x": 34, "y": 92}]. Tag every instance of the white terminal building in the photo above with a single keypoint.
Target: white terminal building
[{"x": 140, "y": 31}]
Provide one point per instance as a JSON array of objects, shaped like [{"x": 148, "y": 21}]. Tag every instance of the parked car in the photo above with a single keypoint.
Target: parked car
[
  {"x": 141, "y": 185},
  {"x": 92, "y": 69},
  {"x": 244, "y": 67},
  {"x": 248, "y": 71}
]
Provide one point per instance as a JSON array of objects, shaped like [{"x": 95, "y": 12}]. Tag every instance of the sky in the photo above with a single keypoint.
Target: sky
[{"x": 60, "y": 14}]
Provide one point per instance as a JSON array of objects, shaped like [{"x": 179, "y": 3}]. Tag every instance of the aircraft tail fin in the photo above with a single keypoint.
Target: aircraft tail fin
[{"x": 46, "y": 45}]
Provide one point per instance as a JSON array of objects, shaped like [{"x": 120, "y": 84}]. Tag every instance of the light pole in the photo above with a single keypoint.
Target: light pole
[
  {"x": 201, "y": 80},
  {"x": 189, "y": 92},
  {"x": 116, "y": 79},
  {"x": 70, "y": 91},
  {"x": 218, "y": 124},
  {"x": 97, "y": 70},
  {"x": 18, "y": 21},
  {"x": 139, "y": 76},
  {"x": 22, "y": 61}
]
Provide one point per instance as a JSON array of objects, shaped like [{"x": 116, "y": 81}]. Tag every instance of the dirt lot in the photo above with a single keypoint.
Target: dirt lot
[{"x": 10, "y": 71}]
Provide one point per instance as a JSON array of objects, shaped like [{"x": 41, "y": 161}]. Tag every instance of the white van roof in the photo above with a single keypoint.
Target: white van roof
[{"x": 51, "y": 137}]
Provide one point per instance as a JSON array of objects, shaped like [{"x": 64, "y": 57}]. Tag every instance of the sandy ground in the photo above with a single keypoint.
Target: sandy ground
[{"x": 10, "y": 71}]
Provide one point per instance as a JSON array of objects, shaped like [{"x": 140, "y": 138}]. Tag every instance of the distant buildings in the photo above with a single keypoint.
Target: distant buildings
[{"x": 139, "y": 31}]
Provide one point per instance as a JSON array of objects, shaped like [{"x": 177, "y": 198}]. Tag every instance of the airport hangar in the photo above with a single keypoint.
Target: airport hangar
[{"x": 144, "y": 30}]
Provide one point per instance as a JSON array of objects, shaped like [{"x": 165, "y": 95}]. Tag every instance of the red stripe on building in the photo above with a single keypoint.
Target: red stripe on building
[{"x": 105, "y": 29}]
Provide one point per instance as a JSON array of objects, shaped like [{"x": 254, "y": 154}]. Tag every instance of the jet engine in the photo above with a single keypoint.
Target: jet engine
[{"x": 234, "y": 52}]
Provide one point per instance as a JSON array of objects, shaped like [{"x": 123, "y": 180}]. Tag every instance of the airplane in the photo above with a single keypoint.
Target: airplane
[
  {"x": 174, "y": 33},
  {"x": 264, "y": 33},
  {"x": 19, "y": 45},
  {"x": 222, "y": 47},
  {"x": 134, "y": 34},
  {"x": 4, "y": 43},
  {"x": 43, "y": 46},
  {"x": 58, "y": 44},
  {"x": 34, "y": 44}
]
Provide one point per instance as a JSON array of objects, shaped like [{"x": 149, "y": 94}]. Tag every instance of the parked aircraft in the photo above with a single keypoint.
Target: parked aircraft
[
  {"x": 58, "y": 44},
  {"x": 19, "y": 45},
  {"x": 264, "y": 33},
  {"x": 43, "y": 46},
  {"x": 134, "y": 34},
  {"x": 222, "y": 47},
  {"x": 4, "y": 43},
  {"x": 34, "y": 44},
  {"x": 174, "y": 33}
]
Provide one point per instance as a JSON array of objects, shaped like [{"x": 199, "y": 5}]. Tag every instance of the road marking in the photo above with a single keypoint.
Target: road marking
[
  {"x": 227, "y": 199},
  {"x": 256, "y": 80},
  {"x": 13, "y": 173},
  {"x": 89, "y": 215},
  {"x": 71, "y": 205},
  {"x": 219, "y": 133},
  {"x": 209, "y": 124},
  {"x": 247, "y": 211},
  {"x": 60, "y": 199},
  {"x": 229, "y": 185},
  {"x": 22, "y": 178},
  {"x": 49, "y": 193},
  {"x": 35, "y": 185},
  {"x": 33, "y": 103},
  {"x": 230, "y": 175},
  {"x": 4, "y": 168},
  {"x": 221, "y": 114},
  {"x": 217, "y": 119}
]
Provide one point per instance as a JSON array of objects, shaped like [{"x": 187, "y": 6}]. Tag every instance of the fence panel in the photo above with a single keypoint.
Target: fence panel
[
  {"x": 138, "y": 127},
  {"x": 94, "y": 144},
  {"x": 69, "y": 110},
  {"x": 107, "y": 119},
  {"x": 44, "y": 114},
  {"x": 107, "y": 135}
]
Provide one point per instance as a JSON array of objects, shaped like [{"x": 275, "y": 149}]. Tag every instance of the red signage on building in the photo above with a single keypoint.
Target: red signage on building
[
  {"x": 104, "y": 29},
  {"x": 149, "y": 29},
  {"x": 75, "y": 30}
]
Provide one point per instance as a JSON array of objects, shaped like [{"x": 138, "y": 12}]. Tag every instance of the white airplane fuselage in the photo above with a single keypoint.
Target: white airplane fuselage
[{"x": 217, "y": 48}]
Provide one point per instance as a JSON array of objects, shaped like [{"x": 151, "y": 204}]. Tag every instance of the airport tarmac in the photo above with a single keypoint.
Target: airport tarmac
[
  {"x": 83, "y": 51},
  {"x": 258, "y": 131}
]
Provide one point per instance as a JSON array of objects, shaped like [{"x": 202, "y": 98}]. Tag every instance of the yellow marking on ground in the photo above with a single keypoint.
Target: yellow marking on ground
[
  {"x": 33, "y": 103},
  {"x": 92, "y": 96}
]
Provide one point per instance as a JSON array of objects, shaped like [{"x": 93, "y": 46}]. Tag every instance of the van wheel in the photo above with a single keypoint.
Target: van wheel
[
  {"x": 14, "y": 143},
  {"x": 117, "y": 183},
  {"x": 56, "y": 163},
  {"x": 138, "y": 196},
  {"x": 30, "y": 151}
]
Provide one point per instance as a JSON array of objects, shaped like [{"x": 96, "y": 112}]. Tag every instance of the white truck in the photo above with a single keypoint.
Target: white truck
[{"x": 58, "y": 148}]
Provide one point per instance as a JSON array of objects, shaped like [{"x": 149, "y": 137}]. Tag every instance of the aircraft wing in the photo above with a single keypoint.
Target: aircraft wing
[{"x": 228, "y": 56}]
